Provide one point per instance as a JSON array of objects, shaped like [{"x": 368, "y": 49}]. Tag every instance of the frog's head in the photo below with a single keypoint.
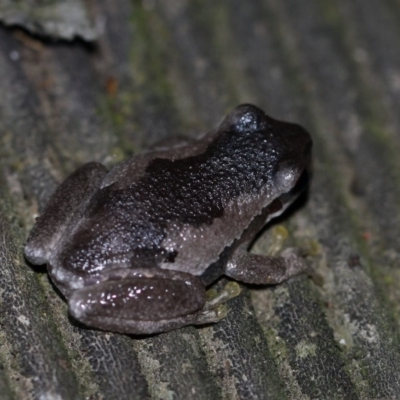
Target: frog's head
[{"x": 282, "y": 150}]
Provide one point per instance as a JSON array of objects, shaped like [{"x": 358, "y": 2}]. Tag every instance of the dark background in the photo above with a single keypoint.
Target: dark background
[{"x": 130, "y": 73}]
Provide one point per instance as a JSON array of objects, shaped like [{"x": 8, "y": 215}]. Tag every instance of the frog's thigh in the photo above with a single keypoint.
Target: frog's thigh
[
  {"x": 263, "y": 270},
  {"x": 141, "y": 301},
  {"x": 66, "y": 204}
]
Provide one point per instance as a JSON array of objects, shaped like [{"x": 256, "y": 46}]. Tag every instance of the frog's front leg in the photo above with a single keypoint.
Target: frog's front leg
[
  {"x": 144, "y": 301},
  {"x": 63, "y": 209},
  {"x": 264, "y": 270}
]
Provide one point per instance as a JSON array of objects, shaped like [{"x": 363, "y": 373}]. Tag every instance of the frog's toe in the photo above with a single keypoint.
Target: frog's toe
[
  {"x": 214, "y": 310},
  {"x": 214, "y": 298},
  {"x": 210, "y": 316}
]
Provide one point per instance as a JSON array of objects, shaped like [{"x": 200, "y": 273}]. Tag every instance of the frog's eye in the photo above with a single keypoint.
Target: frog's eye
[{"x": 244, "y": 118}]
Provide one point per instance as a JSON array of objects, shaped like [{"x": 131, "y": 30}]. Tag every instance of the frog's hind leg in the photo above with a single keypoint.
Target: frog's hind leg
[
  {"x": 63, "y": 209},
  {"x": 145, "y": 301}
]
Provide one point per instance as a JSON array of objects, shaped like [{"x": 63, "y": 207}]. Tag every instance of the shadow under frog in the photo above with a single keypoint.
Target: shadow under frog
[{"x": 134, "y": 249}]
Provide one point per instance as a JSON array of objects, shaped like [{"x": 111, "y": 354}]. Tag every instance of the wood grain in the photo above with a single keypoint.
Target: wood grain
[{"x": 161, "y": 69}]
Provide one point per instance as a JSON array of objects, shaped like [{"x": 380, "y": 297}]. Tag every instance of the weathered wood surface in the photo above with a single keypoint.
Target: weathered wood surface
[
  {"x": 56, "y": 19},
  {"x": 162, "y": 68}
]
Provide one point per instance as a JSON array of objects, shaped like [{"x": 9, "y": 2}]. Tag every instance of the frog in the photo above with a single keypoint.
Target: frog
[{"x": 134, "y": 249}]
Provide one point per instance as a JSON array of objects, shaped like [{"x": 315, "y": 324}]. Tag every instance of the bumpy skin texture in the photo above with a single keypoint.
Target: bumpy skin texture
[{"x": 133, "y": 249}]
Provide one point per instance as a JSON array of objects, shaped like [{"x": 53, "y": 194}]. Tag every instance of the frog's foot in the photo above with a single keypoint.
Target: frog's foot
[
  {"x": 144, "y": 301},
  {"x": 214, "y": 310}
]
